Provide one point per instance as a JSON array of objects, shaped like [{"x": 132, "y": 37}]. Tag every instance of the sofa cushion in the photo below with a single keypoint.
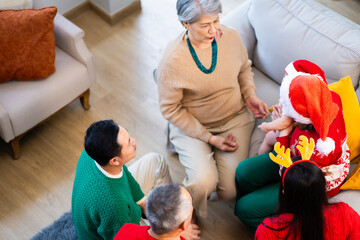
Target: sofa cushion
[
  {"x": 27, "y": 44},
  {"x": 353, "y": 182},
  {"x": 268, "y": 91},
  {"x": 238, "y": 19},
  {"x": 36, "y": 100},
  {"x": 349, "y": 196},
  {"x": 351, "y": 111},
  {"x": 304, "y": 29}
]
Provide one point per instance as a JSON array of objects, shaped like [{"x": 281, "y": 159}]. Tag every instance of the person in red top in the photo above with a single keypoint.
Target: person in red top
[
  {"x": 315, "y": 112},
  {"x": 169, "y": 211},
  {"x": 304, "y": 212}
]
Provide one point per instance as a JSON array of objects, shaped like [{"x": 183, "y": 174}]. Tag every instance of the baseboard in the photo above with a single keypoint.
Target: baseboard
[
  {"x": 78, "y": 10},
  {"x": 120, "y": 15}
]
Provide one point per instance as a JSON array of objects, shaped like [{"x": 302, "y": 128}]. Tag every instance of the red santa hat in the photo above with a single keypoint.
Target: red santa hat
[
  {"x": 307, "y": 99},
  {"x": 305, "y": 66}
]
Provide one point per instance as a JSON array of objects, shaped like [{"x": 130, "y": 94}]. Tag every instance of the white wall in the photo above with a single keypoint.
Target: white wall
[
  {"x": 116, "y": 5},
  {"x": 102, "y": 4},
  {"x": 112, "y": 6},
  {"x": 109, "y": 6},
  {"x": 62, "y": 5}
]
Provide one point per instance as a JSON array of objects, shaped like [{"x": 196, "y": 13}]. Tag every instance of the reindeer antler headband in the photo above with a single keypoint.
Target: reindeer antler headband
[{"x": 305, "y": 147}]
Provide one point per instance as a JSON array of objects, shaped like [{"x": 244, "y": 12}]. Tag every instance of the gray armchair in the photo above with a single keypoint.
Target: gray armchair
[{"x": 24, "y": 105}]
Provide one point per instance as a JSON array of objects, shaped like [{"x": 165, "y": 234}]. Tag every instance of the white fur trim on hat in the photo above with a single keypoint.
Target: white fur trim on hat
[
  {"x": 290, "y": 69},
  {"x": 287, "y": 108},
  {"x": 326, "y": 146}
]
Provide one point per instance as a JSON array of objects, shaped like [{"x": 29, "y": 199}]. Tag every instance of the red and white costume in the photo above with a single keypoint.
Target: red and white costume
[{"x": 305, "y": 97}]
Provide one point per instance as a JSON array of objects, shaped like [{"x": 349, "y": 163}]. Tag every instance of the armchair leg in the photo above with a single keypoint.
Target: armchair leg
[
  {"x": 85, "y": 99},
  {"x": 15, "y": 146}
]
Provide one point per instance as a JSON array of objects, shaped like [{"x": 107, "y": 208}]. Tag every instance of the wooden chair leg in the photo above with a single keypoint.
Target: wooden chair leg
[
  {"x": 85, "y": 99},
  {"x": 15, "y": 146}
]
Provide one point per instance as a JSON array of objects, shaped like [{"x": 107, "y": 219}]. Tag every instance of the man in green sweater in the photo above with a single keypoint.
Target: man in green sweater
[{"x": 106, "y": 194}]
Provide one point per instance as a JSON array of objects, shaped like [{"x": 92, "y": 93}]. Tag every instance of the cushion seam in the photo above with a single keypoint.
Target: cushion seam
[{"x": 317, "y": 31}]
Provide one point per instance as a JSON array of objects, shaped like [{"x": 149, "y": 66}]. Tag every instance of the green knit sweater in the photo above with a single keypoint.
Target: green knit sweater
[{"x": 102, "y": 205}]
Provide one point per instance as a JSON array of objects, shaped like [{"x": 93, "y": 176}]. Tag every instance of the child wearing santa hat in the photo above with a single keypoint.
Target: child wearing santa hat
[
  {"x": 308, "y": 108},
  {"x": 282, "y": 121}
]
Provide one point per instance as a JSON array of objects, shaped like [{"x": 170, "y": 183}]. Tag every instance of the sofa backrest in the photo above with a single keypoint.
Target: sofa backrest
[
  {"x": 288, "y": 30},
  {"x": 239, "y": 20}
]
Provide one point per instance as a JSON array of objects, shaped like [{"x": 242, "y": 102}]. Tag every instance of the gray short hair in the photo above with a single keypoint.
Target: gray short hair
[
  {"x": 191, "y": 10},
  {"x": 167, "y": 208}
]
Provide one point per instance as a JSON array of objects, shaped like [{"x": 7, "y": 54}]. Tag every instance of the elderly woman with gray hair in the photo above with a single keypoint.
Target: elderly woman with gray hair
[{"x": 207, "y": 93}]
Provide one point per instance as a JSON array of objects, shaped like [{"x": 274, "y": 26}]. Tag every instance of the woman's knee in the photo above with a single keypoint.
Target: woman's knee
[
  {"x": 201, "y": 171},
  {"x": 247, "y": 214},
  {"x": 202, "y": 182},
  {"x": 243, "y": 170},
  {"x": 207, "y": 182},
  {"x": 254, "y": 207}
]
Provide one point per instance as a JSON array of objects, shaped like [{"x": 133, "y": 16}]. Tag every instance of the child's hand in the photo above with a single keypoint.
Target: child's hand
[
  {"x": 264, "y": 127},
  {"x": 287, "y": 131}
]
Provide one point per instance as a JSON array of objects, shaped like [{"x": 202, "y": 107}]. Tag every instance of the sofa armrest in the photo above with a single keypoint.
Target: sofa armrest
[
  {"x": 69, "y": 38},
  {"x": 6, "y": 130},
  {"x": 238, "y": 19}
]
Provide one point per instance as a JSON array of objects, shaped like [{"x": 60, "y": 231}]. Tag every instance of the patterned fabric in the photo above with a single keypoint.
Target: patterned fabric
[
  {"x": 102, "y": 205},
  {"x": 335, "y": 174}
]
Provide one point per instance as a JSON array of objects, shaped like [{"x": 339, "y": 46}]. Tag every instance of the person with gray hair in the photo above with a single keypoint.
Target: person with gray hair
[
  {"x": 169, "y": 211},
  {"x": 207, "y": 93}
]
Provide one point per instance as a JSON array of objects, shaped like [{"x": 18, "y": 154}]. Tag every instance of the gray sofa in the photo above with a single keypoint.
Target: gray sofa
[{"x": 277, "y": 32}]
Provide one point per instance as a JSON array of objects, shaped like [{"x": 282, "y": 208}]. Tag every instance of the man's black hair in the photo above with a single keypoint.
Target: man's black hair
[{"x": 101, "y": 141}]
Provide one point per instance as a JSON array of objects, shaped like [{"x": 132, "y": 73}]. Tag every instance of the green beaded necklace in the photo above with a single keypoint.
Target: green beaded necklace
[{"x": 196, "y": 59}]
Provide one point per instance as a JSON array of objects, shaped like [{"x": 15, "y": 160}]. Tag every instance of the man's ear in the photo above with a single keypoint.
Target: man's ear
[
  {"x": 115, "y": 161},
  {"x": 184, "y": 225}
]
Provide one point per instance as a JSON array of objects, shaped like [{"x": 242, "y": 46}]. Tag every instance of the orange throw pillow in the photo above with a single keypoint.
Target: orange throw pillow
[{"x": 27, "y": 44}]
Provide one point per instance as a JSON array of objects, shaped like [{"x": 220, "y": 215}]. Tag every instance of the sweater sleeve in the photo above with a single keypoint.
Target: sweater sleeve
[
  {"x": 246, "y": 76},
  {"x": 170, "y": 98}
]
